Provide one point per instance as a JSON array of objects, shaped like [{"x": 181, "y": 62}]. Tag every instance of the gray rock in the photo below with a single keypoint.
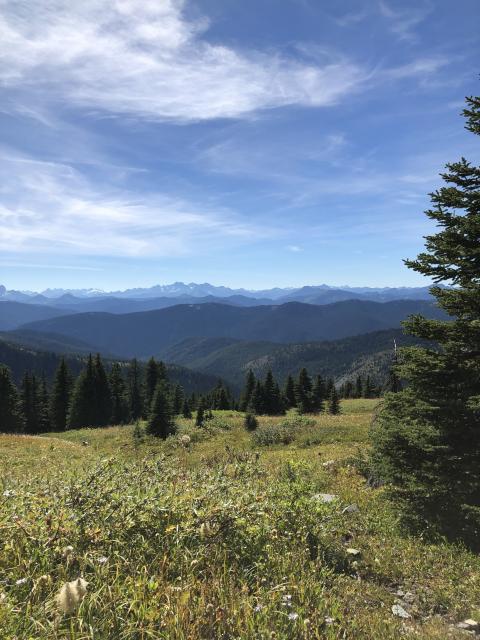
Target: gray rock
[
  {"x": 399, "y": 611},
  {"x": 324, "y": 497},
  {"x": 351, "y": 508}
]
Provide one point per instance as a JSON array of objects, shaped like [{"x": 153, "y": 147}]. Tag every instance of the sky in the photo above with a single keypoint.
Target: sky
[{"x": 249, "y": 143}]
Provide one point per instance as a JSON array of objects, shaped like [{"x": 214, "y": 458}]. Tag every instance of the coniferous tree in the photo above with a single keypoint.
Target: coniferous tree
[
  {"x": 161, "y": 420},
  {"x": 250, "y": 422},
  {"x": 426, "y": 439},
  {"x": 358, "y": 387},
  {"x": 318, "y": 394},
  {"x": 82, "y": 412},
  {"x": 177, "y": 399},
  {"x": 118, "y": 391},
  {"x": 10, "y": 418},
  {"x": 272, "y": 398},
  {"x": 44, "y": 423},
  {"x": 200, "y": 417},
  {"x": 303, "y": 392},
  {"x": 289, "y": 393},
  {"x": 29, "y": 403},
  {"x": 135, "y": 401},
  {"x": 186, "y": 410},
  {"x": 368, "y": 389},
  {"x": 248, "y": 391},
  {"x": 333, "y": 402},
  {"x": 257, "y": 402},
  {"x": 60, "y": 397},
  {"x": 102, "y": 396},
  {"x": 151, "y": 380}
]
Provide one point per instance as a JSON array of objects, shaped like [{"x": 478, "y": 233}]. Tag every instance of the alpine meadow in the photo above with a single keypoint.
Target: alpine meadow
[{"x": 266, "y": 457}]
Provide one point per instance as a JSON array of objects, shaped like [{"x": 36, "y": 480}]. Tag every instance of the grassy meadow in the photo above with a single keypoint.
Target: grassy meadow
[{"x": 218, "y": 533}]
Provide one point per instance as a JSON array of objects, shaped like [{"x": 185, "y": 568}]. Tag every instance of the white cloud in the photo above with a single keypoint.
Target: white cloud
[
  {"x": 53, "y": 209},
  {"x": 404, "y": 21},
  {"x": 294, "y": 248},
  {"x": 146, "y": 59}
]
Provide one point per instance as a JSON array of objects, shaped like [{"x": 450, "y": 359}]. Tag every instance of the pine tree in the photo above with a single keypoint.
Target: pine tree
[
  {"x": 248, "y": 391},
  {"x": 333, "y": 402},
  {"x": 135, "y": 401},
  {"x": 358, "y": 387},
  {"x": 250, "y": 422},
  {"x": 177, "y": 399},
  {"x": 257, "y": 403},
  {"x": 82, "y": 412},
  {"x": 118, "y": 391},
  {"x": 160, "y": 421},
  {"x": 272, "y": 398},
  {"x": 29, "y": 403},
  {"x": 102, "y": 396},
  {"x": 200, "y": 417},
  {"x": 368, "y": 388},
  {"x": 43, "y": 398},
  {"x": 10, "y": 419},
  {"x": 289, "y": 393},
  {"x": 426, "y": 440},
  {"x": 151, "y": 380},
  {"x": 318, "y": 394},
  {"x": 303, "y": 392},
  {"x": 60, "y": 397},
  {"x": 186, "y": 411}
]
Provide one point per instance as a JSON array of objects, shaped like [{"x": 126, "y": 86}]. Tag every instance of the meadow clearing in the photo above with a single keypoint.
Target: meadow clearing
[{"x": 219, "y": 533}]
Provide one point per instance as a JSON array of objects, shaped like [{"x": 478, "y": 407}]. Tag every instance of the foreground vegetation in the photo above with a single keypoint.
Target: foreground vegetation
[{"x": 218, "y": 532}]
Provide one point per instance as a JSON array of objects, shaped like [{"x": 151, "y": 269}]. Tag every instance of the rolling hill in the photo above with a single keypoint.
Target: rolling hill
[
  {"x": 14, "y": 314},
  {"x": 150, "y": 333}
]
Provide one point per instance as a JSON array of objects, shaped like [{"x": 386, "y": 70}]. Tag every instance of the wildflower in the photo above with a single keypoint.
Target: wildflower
[
  {"x": 293, "y": 616},
  {"x": 21, "y": 581},
  {"x": 258, "y": 608},
  {"x": 287, "y": 600},
  {"x": 102, "y": 560},
  {"x": 185, "y": 440},
  {"x": 8, "y": 493},
  {"x": 68, "y": 551},
  {"x": 71, "y": 595},
  {"x": 329, "y": 620}
]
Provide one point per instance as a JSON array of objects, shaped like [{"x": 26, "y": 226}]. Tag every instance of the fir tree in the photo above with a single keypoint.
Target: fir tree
[
  {"x": 318, "y": 394},
  {"x": 160, "y": 420},
  {"x": 200, "y": 417},
  {"x": 29, "y": 403},
  {"x": 118, "y": 391},
  {"x": 135, "y": 401},
  {"x": 10, "y": 419},
  {"x": 368, "y": 388},
  {"x": 303, "y": 392},
  {"x": 186, "y": 411},
  {"x": 43, "y": 399},
  {"x": 177, "y": 399},
  {"x": 358, "y": 387},
  {"x": 250, "y": 422},
  {"x": 82, "y": 412},
  {"x": 257, "y": 404},
  {"x": 102, "y": 397},
  {"x": 426, "y": 440},
  {"x": 333, "y": 402},
  {"x": 60, "y": 397},
  {"x": 289, "y": 393},
  {"x": 272, "y": 398},
  {"x": 151, "y": 380},
  {"x": 248, "y": 391}
]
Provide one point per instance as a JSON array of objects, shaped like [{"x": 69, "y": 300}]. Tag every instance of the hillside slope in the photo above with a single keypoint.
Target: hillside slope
[
  {"x": 15, "y": 314},
  {"x": 147, "y": 333}
]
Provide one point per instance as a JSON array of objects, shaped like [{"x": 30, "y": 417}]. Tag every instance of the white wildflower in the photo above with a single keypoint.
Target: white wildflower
[
  {"x": 185, "y": 440},
  {"x": 21, "y": 581},
  {"x": 293, "y": 616},
  {"x": 71, "y": 595},
  {"x": 102, "y": 560},
  {"x": 8, "y": 493}
]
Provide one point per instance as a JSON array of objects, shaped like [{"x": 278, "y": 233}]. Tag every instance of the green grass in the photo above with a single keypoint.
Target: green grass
[{"x": 216, "y": 538}]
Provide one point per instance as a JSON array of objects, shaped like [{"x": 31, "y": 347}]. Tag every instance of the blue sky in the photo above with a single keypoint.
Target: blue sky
[{"x": 242, "y": 142}]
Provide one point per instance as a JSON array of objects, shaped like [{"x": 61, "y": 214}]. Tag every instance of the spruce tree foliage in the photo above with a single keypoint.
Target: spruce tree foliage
[
  {"x": 29, "y": 404},
  {"x": 426, "y": 439},
  {"x": 333, "y": 402},
  {"x": 82, "y": 411},
  {"x": 303, "y": 392},
  {"x": 177, "y": 399},
  {"x": 318, "y": 394},
  {"x": 289, "y": 393},
  {"x": 272, "y": 398},
  {"x": 151, "y": 380},
  {"x": 186, "y": 411},
  {"x": 358, "y": 387},
  {"x": 248, "y": 390},
  {"x": 135, "y": 400},
  {"x": 257, "y": 404},
  {"x": 161, "y": 420},
  {"x": 368, "y": 388},
  {"x": 250, "y": 422},
  {"x": 200, "y": 417},
  {"x": 60, "y": 397},
  {"x": 103, "y": 400},
  {"x": 10, "y": 419},
  {"x": 44, "y": 423},
  {"x": 118, "y": 391}
]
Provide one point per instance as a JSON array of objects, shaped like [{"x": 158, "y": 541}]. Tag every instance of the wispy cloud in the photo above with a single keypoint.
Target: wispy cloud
[
  {"x": 52, "y": 208},
  {"x": 146, "y": 59},
  {"x": 402, "y": 22}
]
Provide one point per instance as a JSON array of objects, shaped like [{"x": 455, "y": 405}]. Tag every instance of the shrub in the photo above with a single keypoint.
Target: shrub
[
  {"x": 274, "y": 434},
  {"x": 251, "y": 422}
]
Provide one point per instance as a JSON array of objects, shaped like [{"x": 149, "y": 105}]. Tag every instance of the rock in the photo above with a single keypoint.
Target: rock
[
  {"x": 409, "y": 597},
  {"x": 399, "y": 611},
  {"x": 324, "y": 497},
  {"x": 329, "y": 464},
  {"x": 353, "y": 552},
  {"x": 468, "y": 625},
  {"x": 351, "y": 508}
]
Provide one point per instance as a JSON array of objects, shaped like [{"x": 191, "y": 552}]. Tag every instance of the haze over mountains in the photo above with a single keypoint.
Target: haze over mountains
[{"x": 218, "y": 331}]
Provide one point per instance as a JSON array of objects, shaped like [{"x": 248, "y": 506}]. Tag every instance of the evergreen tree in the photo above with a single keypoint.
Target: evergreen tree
[
  {"x": 393, "y": 382},
  {"x": 303, "y": 392},
  {"x": 368, "y": 388},
  {"x": 44, "y": 423},
  {"x": 135, "y": 401},
  {"x": 186, "y": 411},
  {"x": 151, "y": 380},
  {"x": 82, "y": 412},
  {"x": 60, "y": 397},
  {"x": 200, "y": 417},
  {"x": 10, "y": 419},
  {"x": 289, "y": 393},
  {"x": 178, "y": 397},
  {"x": 257, "y": 404},
  {"x": 161, "y": 421},
  {"x": 248, "y": 391},
  {"x": 250, "y": 422},
  {"x": 118, "y": 391},
  {"x": 272, "y": 398},
  {"x": 102, "y": 396},
  {"x": 318, "y": 394},
  {"x": 29, "y": 403},
  {"x": 426, "y": 439},
  {"x": 333, "y": 402},
  {"x": 358, "y": 387}
]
